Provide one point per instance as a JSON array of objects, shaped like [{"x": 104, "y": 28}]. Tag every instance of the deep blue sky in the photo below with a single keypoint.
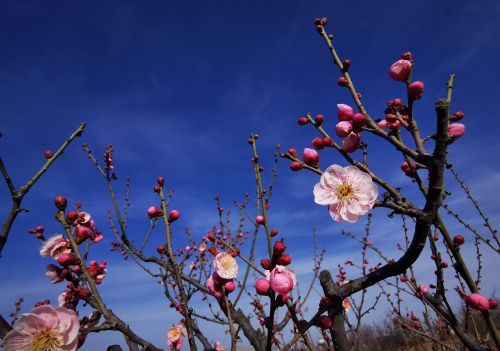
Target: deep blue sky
[{"x": 177, "y": 87}]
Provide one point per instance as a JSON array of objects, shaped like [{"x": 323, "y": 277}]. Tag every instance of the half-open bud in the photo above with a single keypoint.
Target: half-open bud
[{"x": 400, "y": 70}]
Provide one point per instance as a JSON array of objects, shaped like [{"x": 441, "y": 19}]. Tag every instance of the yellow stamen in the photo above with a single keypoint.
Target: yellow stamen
[
  {"x": 344, "y": 191},
  {"x": 45, "y": 340}
]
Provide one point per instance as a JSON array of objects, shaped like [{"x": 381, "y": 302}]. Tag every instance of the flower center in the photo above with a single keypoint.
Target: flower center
[
  {"x": 344, "y": 191},
  {"x": 45, "y": 341},
  {"x": 227, "y": 263}
]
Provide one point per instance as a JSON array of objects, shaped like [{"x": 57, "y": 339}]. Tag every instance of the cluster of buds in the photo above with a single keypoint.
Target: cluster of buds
[
  {"x": 37, "y": 232},
  {"x": 395, "y": 114},
  {"x": 278, "y": 278},
  {"x": 401, "y": 71},
  {"x": 97, "y": 271},
  {"x": 108, "y": 159},
  {"x": 349, "y": 127},
  {"x": 70, "y": 297}
]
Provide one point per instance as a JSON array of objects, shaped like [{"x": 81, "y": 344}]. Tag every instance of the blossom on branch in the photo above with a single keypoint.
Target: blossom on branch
[
  {"x": 348, "y": 192},
  {"x": 225, "y": 266},
  {"x": 44, "y": 328}
]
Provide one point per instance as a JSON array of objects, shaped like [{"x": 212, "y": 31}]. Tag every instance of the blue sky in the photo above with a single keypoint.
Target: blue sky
[{"x": 177, "y": 87}]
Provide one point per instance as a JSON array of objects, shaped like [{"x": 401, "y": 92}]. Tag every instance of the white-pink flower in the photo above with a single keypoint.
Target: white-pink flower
[
  {"x": 218, "y": 346},
  {"x": 55, "y": 246},
  {"x": 225, "y": 265},
  {"x": 348, "y": 192},
  {"x": 44, "y": 328},
  {"x": 174, "y": 336}
]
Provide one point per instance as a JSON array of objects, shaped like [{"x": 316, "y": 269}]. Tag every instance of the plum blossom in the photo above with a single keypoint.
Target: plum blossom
[
  {"x": 218, "y": 346},
  {"x": 400, "y": 70},
  {"x": 225, "y": 266},
  {"x": 281, "y": 279},
  {"x": 478, "y": 302},
  {"x": 348, "y": 192},
  {"x": 174, "y": 336},
  {"x": 44, "y": 328},
  {"x": 55, "y": 246}
]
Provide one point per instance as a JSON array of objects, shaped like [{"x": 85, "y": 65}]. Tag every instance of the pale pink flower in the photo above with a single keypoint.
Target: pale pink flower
[
  {"x": 282, "y": 280},
  {"x": 54, "y": 273},
  {"x": 226, "y": 266},
  {"x": 400, "y": 70},
  {"x": 346, "y": 305},
  {"x": 44, "y": 328},
  {"x": 345, "y": 112},
  {"x": 174, "y": 336},
  {"x": 218, "y": 346},
  {"x": 348, "y": 192},
  {"x": 62, "y": 298},
  {"x": 55, "y": 246}
]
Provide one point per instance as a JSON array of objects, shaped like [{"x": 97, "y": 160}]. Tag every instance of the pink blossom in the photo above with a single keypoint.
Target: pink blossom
[
  {"x": 310, "y": 157},
  {"x": 218, "y": 346},
  {"x": 225, "y": 265},
  {"x": 262, "y": 286},
  {"x": 282, "y": 280},
  {"x": 343, "y": 128},
  {"x": 351, "y": 142},
  {"x": 44, "y": 328},
  {"x": 348, "y": 191},
  {"x": 55, "y": 246},
  {"x": 478, "y": 302},
  {"x": 455, "y": 130},
  {"x": 214, "y": 287},
  {"x": 424, "y": 289},
  {"x": 54, "y": 273},
  {"x": 345, "y": 112},
  {"x": 400, "y": 70}
]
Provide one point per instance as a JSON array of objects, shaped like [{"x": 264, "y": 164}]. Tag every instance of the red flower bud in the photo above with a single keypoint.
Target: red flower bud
[
  {"x": 342, "y": 81},
  {"x": 48, "y": 154},
  {"x": 156, "y": 189},
  {"x": 345, "y": 65},
  {"x": 71, "y": 217},
  {"x": 324, "y": 322},
  {"x": 284, "y": 260},
  {"x": 416, "y": 90},
  {"x": 292, "y": 152},
  {"x": 302, "y": 121},
  {"x": 61, "y": 202},
  {"x": 153, "y": 212},
  {"x": 457, "y": 116},
  {"x": 493, "y": 304},
  {"x": 262, "y": 286},
  {"x": 296, "y": 166},
  {"x": 265, "y": 263},
  {"x": 458, "y": 240},
  {"x": 279, "y": 248},
  {"x": 174, "y": 215},
  {"x": 319, "y": 119},
  {"x": 67, "y": 259},
  {"x": 400, "y": 70},
  {"x": 274, "y": 232},
  {"x": 310, "y": 157},
  {"x": 317, "y": 143},
  {"x": 260, "y": 219},
  {"x": 160, "y": 181}
]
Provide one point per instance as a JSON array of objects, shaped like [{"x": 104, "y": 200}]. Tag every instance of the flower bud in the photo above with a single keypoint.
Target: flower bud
[
  {"x": 455, "y": 131},
  {"x": 160, "y": 181},
  {"x": 61, "y": 202},
  {"x": 358, "y": 119},
  {"x": 262, "y": 286},
  {"x": 292, "y": 152},
  {"x": 343, "y": 128},
  {"x": 319, "y": 119},
  {"x": 493, "y": 304},
  {"x": 153, "y": 212},
  {"x": 48, "y": 154},
  {"x": 174, "y": 215},
  {"x": 229, "y": 286},
  {"x": 274, "y": 232},
  {"x": 328, "y": 141},
  {"x": 478, "y": 302},
  {"x": 458, "y": 240},
  {"x": 279, "y": 248},
  {"x": 345, "y": 112},
  {"x": 284, "y": 260},
  {"x": 310, "y": 157},
  {"x": 416, "y": 90},
  {"x": 318, "y": 144},
  {"x": 424, "y": 289},
  {"x": 457, "y": 116},
  {"x": 324, "y": 322},
  {"x": 351, "y": 143},
  {"x": 400, "y": 70},
  {"x": 67, "y": 259},
  {"x": 265, "y": 263},
  {"x": 260, "y": 220},
  {"x": 302, "y": 121},
  {"x": 342, "y": 81}
]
